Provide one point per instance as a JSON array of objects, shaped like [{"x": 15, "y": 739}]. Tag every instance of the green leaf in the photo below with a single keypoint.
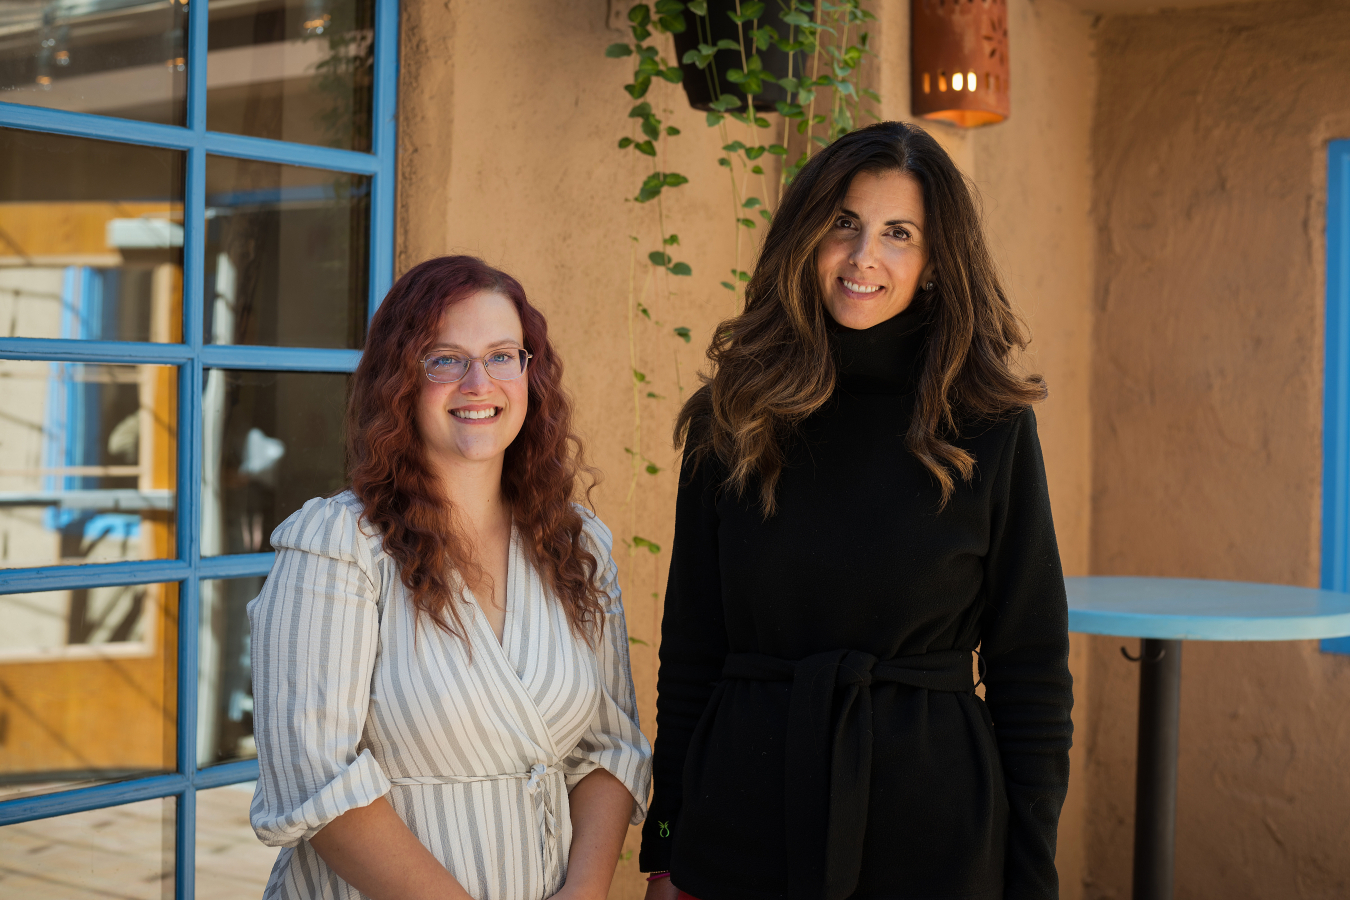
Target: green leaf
[
  {"x": 638, "y": 88},
  {"x": 671, "y": 130},
  {"x": 615, "y": 51},
  {"x": 641, "y": 111},
  {"x": 766, "y": 215},
  {"x": 683, "y": 333},
  {"x": 749, "y": 11},
  {"x": 671, "y": 241},
  {"x": 728, "y": 285},
  {"x": 754, "y": 152},
  {"x": 658, "y": 258},
  {"x": 645, "y": 312},
  {"x": 778, "y": 150},
  {"x": 651, "y": 186},
  {"x": 751, "y": 203},
  {"x": 651, "y": 467},
  {"x": 748, "y": 223},
  {"x": 643, "y": 542},
  {"x": 714, "y": 119},
  {"x": 640, "y": 14},
  {"x": 648, "y": 52},
  {"x": 625, "y": 142},
  {"x": 675, "y": 179},
  {"x": 789, "y": 84},
  {"x": 761, "y": 122},
  {"x": 652, "y": 395},
  {"x": 669, "y": 7},
  {"x": 633, "y": 640},
  {"x": 639, "y": 377},
  {"x": 796, "y": 18},
  {"x": 757, "y": 169},
  {"x": 726, "y": 102},
  {"x": 742, "y": 275},
  {"x": 697, "y": 7},
  {"x": 733, "y": 146},
  {"x": 723, "y": 161},
  {"x": 735, "y": 76},
  {"x": 681, "y": 268},
  {"x": 646, "y": 147},
  {"x": 673, "y": 74},
  {"x": 790, "y": 110},
  {"x": 650, "y": 128},
  {"x": 673, "y": 24},
  {"x": 727, "y": 44}
]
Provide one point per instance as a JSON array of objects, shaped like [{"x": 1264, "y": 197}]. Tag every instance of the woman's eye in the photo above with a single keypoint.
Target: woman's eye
[
  {"x": 446, "y": 361},
  {"x": 900, "y": 233},
  {"x": 501, "y": 356},
  {"x": 843, "y": 222}
]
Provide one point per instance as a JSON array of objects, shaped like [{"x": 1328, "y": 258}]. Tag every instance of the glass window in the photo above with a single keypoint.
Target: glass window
[
  {"x": 122, "y": 851},
  {"x": 87, "y": 467},
  {"x": 231, "y": 861},
  {"x": 292, "y": 70},
  {"x": 83, "y": 255},
  {"x": 123, "y": 58},
  {"x": 224, "y": 674},
  {"x": 271, "y": 441},
  {"x": 88, "y": 686},
  {"x": 286, "y": 255}
]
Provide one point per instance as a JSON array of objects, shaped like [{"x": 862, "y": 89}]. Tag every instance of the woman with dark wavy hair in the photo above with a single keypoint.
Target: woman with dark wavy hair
[
  {"x": 862, "y": 507},
  {"x": 442, "y": 697}
]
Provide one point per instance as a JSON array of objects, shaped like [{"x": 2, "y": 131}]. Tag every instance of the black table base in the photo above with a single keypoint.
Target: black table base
[{"x": 1155, "y": 793}]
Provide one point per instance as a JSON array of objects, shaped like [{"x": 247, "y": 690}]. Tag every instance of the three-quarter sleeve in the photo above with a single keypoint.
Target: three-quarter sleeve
[
  {"x": 1025, "y": 644},
  {"x": 315, "y": 636},
  {"x": 693, "y": 649},
  {"x": 613, "y": 741}
]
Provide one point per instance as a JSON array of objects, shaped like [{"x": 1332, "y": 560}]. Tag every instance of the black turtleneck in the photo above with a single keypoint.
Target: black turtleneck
[{"x": 964, "y": 796}]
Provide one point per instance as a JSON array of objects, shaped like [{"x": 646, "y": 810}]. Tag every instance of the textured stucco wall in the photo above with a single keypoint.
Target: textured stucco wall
[
  {"x": 509, "y": 113},
  {"x": 1209, "y": 149}
]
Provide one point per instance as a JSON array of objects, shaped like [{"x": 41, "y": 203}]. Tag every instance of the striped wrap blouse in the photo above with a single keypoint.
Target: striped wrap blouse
[{"x": 357, "y": 696}]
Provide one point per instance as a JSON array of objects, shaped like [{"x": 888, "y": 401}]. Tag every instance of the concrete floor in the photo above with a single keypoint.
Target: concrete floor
[{"x": 126, "y": 852}]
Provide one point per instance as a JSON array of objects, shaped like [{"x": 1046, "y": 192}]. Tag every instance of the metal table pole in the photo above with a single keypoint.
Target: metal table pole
[{"x": 1155, "y": 793}]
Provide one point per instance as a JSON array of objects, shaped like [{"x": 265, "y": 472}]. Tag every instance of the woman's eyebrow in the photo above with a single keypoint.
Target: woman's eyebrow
[
  {"x": 909, "y": 222},
  {"x": 497, "y": 343}
]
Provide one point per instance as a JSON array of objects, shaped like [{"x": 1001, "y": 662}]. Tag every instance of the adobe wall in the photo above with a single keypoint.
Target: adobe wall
[
  {"x": 1209, "y": 186},
  {"x": 509, "y": 114}
]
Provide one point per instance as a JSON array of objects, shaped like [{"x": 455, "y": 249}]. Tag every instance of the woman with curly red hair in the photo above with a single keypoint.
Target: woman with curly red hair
[{"x": 443, "y": 701}]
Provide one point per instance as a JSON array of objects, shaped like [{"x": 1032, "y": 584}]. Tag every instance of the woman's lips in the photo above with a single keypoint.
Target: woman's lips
[
  {"x": 858, "y": 290},
  {"x": 477, "y": 416}
]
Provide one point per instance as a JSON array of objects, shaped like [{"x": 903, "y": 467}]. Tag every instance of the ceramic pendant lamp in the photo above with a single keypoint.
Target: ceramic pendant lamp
[{"x": 959, "y": 60}]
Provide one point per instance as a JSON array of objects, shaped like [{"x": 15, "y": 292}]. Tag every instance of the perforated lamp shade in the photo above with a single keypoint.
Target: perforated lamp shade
[{"x": 959, "y": 60}]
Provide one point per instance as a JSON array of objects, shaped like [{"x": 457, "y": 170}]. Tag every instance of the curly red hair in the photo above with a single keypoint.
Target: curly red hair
[{"x": 403, "y": 498}]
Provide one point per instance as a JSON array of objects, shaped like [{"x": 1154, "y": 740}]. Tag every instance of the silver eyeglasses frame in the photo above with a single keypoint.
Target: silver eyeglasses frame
[{"x": 525, "y": 364}]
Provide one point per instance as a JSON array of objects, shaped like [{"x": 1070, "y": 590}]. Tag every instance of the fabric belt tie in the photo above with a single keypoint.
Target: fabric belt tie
[
  {"x": 546, "y": 816},
  {"x": 828, "y": 754}
]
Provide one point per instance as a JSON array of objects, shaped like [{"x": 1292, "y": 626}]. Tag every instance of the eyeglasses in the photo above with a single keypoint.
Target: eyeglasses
[{"x": 500, "y": 365}]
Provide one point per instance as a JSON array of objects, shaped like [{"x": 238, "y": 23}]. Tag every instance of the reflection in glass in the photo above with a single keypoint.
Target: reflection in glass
[
  {"x": 231, "y": 861},
  {"x": 292, "y": 70},
  {"x": 87, "y": 465},
  {"x": 124, "y": 58},
  {"x": 122, "y": 851},
  {"x": 286, "y": 255},
  {"x": 88, "y": 693},
  {"x": 225, "y": 679},
  {"x": 85, "y": 255},
  {"x": 270, "y": 441}
]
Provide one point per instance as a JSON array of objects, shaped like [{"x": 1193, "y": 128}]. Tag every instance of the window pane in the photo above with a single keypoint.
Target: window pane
[
  {"x": 225, "y": 679},
  {"x": 87, "y": 463},
  {"x": 231, "y": 861},
  {"x": 292, "y": 70},
  {"x": 85, "y": 255},
  {"x": 88, "y": 686},
  {"x": 112, "y": 57},
  {"x": 286, "y": 255},
  {"x": 122, "y": 851},
  {"x": 271, "y": 441}
]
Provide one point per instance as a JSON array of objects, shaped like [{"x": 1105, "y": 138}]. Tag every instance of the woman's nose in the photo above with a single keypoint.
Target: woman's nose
[
  {"x": 476, "y": 378},
  {"x": 862, "y": 252}
]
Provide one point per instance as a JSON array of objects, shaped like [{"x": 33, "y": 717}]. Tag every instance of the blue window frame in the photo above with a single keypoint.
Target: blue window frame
[
  {"x": 1336, "y": 399},
  {"x": 194, "y": 359}
]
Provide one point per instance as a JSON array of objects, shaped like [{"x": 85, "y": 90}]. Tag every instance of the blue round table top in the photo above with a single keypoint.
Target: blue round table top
[{"x": 1195, "y": 609}]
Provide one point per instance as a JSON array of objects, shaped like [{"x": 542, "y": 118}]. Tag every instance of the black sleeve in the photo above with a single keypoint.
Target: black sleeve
[
  {"x": 693, "y": 648},
  {"x": 1025, "y": 644}
]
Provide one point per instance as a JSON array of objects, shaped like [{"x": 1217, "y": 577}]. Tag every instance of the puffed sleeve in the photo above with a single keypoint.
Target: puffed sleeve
[
  {"x": 315, "y": 636},
  {"x": 613, "y": 741}
]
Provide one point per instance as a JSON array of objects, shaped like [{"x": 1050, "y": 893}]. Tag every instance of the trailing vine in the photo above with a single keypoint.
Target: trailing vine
[{"x": 830, "y": 37}]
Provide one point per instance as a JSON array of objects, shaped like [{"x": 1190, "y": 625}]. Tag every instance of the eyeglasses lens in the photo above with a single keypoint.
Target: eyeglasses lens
[{"x": 503, "y": 365}]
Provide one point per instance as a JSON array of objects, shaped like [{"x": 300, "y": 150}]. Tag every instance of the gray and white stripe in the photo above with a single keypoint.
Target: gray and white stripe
[{"x": 356, "y": 696}]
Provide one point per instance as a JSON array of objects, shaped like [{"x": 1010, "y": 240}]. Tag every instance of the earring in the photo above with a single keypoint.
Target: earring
[{"x": 930, "y": 285}]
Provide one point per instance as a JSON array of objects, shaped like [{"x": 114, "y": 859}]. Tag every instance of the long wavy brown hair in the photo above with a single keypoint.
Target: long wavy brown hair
[
  {"x": 403, "y": 498},
  {"x": 772, "y": 365}
]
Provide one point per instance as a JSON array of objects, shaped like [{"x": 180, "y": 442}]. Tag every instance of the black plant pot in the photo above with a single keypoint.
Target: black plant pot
[{"x": 699, "y": 83}]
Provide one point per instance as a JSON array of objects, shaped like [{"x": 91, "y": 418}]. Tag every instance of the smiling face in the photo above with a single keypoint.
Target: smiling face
[
  {"x": 875, "y": 255},
  {"x": 472, "y": 421}
]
